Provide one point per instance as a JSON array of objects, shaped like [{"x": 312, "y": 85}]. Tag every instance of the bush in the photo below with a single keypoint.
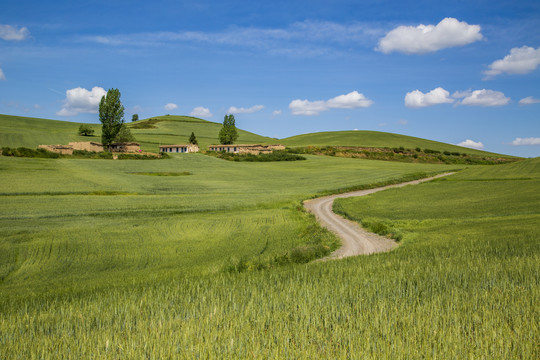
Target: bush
[
  {"x": 92, "y": 154},
  {"x": 31, "y": 153},
  {"x": 278, "y": 155},
  {"x": 124, "y": 156},
  {"x": 86, "y": 130}
]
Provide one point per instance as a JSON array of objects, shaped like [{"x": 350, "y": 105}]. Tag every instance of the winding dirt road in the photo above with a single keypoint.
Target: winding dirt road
[{"x": 355, "y": 240}]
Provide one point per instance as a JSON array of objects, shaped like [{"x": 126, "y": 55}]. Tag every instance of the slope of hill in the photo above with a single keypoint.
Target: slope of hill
[
  {"x": 173, "y": 129},
  {"x": 18, "y": 131},
  {"x": 373, "y": 139}
]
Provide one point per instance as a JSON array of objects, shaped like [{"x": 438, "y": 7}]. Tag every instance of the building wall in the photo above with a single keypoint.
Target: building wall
[
  {"x": 247, "y": 149},
  {"x": 60, "y": 149},
  {"x": 179, "y": 148},
  {"x": 87, "y": 146}
]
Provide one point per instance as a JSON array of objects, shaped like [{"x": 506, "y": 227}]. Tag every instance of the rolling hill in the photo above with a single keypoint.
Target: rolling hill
[
  {"x": 374, "y": 139},
  {"x": 173, "y": 129},
  {"x": 18, "y": 131}
]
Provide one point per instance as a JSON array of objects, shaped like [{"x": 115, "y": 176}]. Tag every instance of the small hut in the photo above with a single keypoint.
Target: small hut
[{"x": 182, "y": 148}]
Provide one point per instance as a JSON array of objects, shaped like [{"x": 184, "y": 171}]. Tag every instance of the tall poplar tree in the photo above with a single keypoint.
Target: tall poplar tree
[
  {"x": 111, "y": 115},
  {"x": 228, "y": 133}
]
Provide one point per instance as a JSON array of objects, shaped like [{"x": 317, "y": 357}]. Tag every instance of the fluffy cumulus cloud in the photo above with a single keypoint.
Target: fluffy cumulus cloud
[
  {"x": 521, "y": 60},
  {"x": 80, "y": 100},
  {"x": 422, "y": 39},
  {"x": 170, "y": 106},
  {"x": 472, "y": 144},
  {"x": 2, "y": 76},
  {"x": 201, "y": 112},
  {"x": 529, "y": 100},
  {"x": 10, "y": 33},
  {"x": 241, "y": 110},
  {"x": 276, "y": 112},
  {"x": 352, "y": 100},
  {"x": 526, "y": 141},
  {"x": 417, "y": 99},
  {"x": 482, "y": 98}
]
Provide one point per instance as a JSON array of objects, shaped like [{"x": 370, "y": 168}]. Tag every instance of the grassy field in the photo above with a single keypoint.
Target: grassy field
[
  {"x": 116, "y": 259},
  {"x": 106, "y": 223}
]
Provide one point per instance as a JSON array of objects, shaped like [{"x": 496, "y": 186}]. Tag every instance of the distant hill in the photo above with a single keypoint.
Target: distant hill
[
  {"x": 173, "y": 129},
  {"x": 374, "y": 139}
]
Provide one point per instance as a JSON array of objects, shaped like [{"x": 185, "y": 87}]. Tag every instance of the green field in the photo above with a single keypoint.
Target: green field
[{"x": 187, "y": 258}]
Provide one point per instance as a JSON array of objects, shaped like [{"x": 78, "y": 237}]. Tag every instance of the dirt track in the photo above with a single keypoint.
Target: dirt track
[{"x": 355, "y": 240}]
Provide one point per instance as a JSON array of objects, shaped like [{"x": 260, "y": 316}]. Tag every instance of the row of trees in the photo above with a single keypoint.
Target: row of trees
[{"x": 111, "y": 116}]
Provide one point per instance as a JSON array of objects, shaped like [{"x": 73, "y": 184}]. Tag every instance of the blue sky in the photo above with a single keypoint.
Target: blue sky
[{"x": 459, "y": 72}]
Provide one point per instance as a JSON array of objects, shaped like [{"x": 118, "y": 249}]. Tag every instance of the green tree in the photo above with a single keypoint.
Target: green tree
[
  {"x": 124, "y": 135},
  {"x": 228, "y": 133},
  {"x": 86, "y": 130},
  {"x": 135, "y": 117},
  {"x": 193, "y": 139},
  {"x": 111, "y": 115}
]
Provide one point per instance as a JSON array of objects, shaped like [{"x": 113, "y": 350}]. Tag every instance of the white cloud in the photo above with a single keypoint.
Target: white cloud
[
  {"x": 521, "y": 60},
  {"x": 526, "y": 141},
  {"x": 306, "y": 107},
  {"x": 351, "y": 100},
  {"x": 2, "y": 76},
  {"x": 276, "y": 112},
  {"x": 170, "y": 106},
  {"x": 529, "y": 100},
  {"x": 235, "y": 110},
  {"x": 9, "y": 33},
  {"x": 201, "y": 112},
  {"x": 80, "y": 100},
  {"x": 471, "y": 144},
  {"x": 417, "y": 99},
  {"x": 429, "y": 38},
  {"x": 403, "y": 122},
  {"x": 482, "y": 98}
]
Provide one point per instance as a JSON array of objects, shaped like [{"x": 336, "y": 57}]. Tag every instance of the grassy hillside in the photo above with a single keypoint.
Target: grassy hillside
[
  {"x": 373, "y": 139},
  {"x": 18, "y": 131},
  {"x": 172, "y": 129}
]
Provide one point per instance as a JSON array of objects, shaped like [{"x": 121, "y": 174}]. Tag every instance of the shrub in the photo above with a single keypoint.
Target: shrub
[
  {"x": 31, "y": 153},
  {"x": 86, "y": 130}
]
